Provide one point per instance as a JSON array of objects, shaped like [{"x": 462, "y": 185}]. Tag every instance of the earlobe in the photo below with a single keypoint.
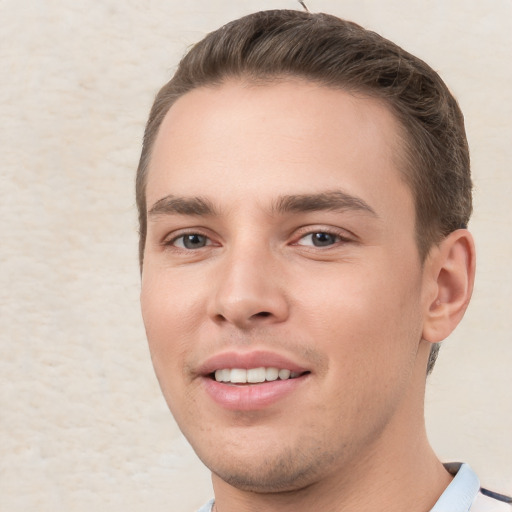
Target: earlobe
[{"x": 451, "y": 271}]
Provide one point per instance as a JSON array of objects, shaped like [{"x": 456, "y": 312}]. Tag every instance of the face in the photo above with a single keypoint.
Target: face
[{"x": 282, "y": 290}]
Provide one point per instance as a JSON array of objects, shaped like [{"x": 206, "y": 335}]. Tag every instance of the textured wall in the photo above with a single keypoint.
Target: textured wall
[{"x": 83, "y": 425}]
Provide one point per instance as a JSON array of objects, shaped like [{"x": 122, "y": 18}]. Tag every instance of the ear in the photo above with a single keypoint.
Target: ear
[{"x": 450, "y": 270}]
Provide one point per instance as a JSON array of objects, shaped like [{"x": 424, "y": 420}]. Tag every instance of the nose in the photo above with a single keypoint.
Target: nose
[{"x": 249, "y": 290}]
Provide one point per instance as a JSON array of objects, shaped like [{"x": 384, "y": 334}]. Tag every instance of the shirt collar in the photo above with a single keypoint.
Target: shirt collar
[{"x": 460, "y": 494}]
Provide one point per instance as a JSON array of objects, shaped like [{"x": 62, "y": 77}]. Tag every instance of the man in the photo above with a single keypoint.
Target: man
[{"x": 303, "y": 194}]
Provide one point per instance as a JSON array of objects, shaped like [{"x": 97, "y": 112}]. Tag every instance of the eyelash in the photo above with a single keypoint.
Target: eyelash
[
  {"x": 172, "y": 241},
  {"x": 338, "y": 236}
]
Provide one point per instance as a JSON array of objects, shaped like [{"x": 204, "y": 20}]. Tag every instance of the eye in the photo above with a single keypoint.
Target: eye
[
  {"x": 191, "y": 241},
  {"x": 320, "y": 239}
]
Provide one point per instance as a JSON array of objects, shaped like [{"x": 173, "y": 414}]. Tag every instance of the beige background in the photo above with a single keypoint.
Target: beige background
[{"x": 83, "y": 425}]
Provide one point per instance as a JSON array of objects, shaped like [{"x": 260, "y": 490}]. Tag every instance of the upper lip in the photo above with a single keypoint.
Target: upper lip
[{"x": 253, "y": 359}]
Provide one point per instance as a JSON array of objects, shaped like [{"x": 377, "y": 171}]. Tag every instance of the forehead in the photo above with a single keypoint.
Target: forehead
[{"x": 241, "y": 140}]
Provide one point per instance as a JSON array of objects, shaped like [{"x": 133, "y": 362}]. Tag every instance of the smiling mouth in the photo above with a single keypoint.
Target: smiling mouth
[{"x": 254, "y": 375}]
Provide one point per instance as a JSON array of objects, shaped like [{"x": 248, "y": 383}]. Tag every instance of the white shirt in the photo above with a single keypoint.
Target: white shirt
[{"x": 464, "y": 494}]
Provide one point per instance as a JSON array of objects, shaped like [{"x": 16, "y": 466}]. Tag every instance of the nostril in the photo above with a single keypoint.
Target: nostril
[
  {"x": 262, "y": 314},
  {"x": 220, "y": 318}
]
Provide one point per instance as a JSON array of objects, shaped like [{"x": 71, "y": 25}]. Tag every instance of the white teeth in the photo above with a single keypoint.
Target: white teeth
[
  {"x": 271, "y": 374},
  {"x": 223, "y": 375},
  {"x": 253, "y": 375},
  {"x": 238, "y": 376},
  {"x": 256, "y": 375},
  {"x": 284, "y": 374}
]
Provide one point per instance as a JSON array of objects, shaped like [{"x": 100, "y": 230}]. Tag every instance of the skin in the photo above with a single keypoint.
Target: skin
[{"x": 358, "y": 312}]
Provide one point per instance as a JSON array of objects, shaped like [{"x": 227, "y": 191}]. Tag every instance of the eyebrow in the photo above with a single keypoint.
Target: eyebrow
[
  {"x": 170, "y": 204},
  {"x": 337, "y": 201}
]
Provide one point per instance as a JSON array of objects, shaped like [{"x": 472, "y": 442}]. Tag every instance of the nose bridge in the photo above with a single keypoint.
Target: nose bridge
[{"x": 248, "y": 290}]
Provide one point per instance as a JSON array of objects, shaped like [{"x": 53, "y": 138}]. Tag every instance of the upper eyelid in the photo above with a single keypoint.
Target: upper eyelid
[
  {"x": 169, "y": 238},
  {"x": 174, "y": 240},
  {"x": 296, "y": 234},
  {"x": 331, "y": 230},
  {"x": 338, "y": 240}
]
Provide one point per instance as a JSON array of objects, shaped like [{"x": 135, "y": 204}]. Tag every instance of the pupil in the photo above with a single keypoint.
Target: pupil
[
  {"x": 322, "y": 239},
  {"x": 194, "y": 241}
]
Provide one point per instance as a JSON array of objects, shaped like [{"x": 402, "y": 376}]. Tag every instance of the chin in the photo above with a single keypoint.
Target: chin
[{"x": 290, "y": 470}]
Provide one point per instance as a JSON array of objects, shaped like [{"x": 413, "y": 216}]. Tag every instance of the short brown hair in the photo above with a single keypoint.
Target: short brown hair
[{"x": 273, "y": 45}]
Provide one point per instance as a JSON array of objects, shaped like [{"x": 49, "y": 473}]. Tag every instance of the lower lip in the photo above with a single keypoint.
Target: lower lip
[{"x": 250, "y": 397}]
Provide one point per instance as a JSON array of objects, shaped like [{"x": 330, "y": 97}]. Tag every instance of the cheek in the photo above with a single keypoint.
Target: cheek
[
  {"x": 168, "y": 310},
  {"x": 363, "y": 316},
  {"x": 370, "y": 333},
  {"x": 168, "y": 330},
  {"x": 168, "y": 301}
]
